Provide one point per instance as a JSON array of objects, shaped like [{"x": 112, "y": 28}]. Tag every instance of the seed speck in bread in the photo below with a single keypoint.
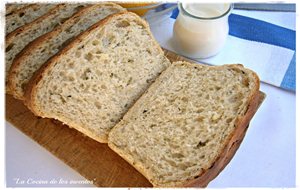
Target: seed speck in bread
[
  {"x": 93, "y": 81},
  {"x": 176, "y": 131}
]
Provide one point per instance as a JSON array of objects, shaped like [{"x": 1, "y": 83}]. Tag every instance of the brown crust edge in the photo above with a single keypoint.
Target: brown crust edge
[
  {"x": 31, "y": 87},
  {"x": 17, "y": 61},
  {"x": 10, "y": 36},
  {"x": 230, "y": 149},
  {"x": 35, "y": 44},
  {"x": 232, "y": 143},
  {"x": 226, "y": 154},
  {"x": 15, "y": 10}
]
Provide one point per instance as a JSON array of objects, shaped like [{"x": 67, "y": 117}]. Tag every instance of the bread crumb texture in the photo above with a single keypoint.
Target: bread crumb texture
[
  {"x": 19, "y": 38},
  {"x": 94, "y": 83},
  {"x": 25, "y": 15},
  {"x": 55, "y": 41},
  {"x": 177, "y": 129}
]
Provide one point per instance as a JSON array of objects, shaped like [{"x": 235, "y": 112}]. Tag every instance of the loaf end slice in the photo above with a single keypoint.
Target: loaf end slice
[
  {"x": 37, "y": 52},
  {"x": 10, "y": 8},
  {"x": 93, "y": 81},
  {"x": 182, "y": 131},
  {"x": 19, "y": 38},
  {"x": 25, "y": 15}
]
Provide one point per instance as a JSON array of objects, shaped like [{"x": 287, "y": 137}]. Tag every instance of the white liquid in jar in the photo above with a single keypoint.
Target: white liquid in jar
[
  {"x": 203, "y": 37},
  {"x": 205, "y": 10}
]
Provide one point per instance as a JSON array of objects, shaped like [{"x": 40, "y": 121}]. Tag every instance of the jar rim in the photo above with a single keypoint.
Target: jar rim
[{"x": 205, "y": 18}]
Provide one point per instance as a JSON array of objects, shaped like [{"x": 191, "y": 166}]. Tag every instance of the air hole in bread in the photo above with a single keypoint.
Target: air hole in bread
[
  {"x": 71, "y": 65},
  {"x": 246, "y": 82},
  {"x": 201, "y": 144},
  {"x": 99, "y": 35},
  {"x": 200, "y": 110},
  {"x": 23, "y": 86},
  {"x": 183, "y": 166},
  {"x": 129, "y": 81},
  {"x": 177, "y": 155},
  {"x": 87, "y": 74},
  {"x": 79, "y": 7},
  {"x": 62, "y": 20},
  {"x": 200, "y": 119},
  {"x": 130, "y": 60},
  {"x": 229, "y": 120},
  {"x": 107, "y": 41},
  {"x": 8, "y": 48},
  {"x": 217, "y": 88},
  {"x": 171, "y": 162},
  {"x": 98, "y": 73},
  {"x": 88, "y": 57},
  {"x": 98, "y": 105},
  {"x": 103, "y": 87},
  {"x": 43, "y": 50},
  {"x": 184, "y": 99},
  {"x": 96, "y": 42},
  {"x": 68, "y": 30},
  {"x": 123, "y": 24},
  {"x": 78, "y": 54},
  {"x": 21, "y": 14},
  {"x": 54, "y": 87},
  {"x": 98, "y": 52},
  {"x": 71, "y": 78},
  {"x": 62, "y": 73}
]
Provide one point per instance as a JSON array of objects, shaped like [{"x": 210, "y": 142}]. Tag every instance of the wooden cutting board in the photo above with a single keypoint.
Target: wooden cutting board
[{"x": 93, "y": 160}]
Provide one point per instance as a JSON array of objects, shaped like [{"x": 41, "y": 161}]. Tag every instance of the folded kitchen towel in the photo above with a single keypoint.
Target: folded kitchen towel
[{"x": 263, "y": 41}]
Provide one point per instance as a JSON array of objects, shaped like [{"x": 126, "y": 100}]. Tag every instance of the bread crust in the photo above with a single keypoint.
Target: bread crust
[
  {"x": 17, "y": 11},
  {"x": 10, "y": 37},
  {"x": 231, "y": 144},
  {"x": 31, "y": 90},
  {"x": 13, "y": 8},
  {"x": 37, "y": 43}
]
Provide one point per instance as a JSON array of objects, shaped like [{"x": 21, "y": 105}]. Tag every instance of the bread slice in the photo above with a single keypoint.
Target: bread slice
[
  {"x": 18, "y": 39},
  {"x": 92, "y": 82},
  {"x": 177, "y": 131},
  {"x": 12, "y": 7},
  {"x": 25, "y": 15},
  {"x": 35, "y": 54}
]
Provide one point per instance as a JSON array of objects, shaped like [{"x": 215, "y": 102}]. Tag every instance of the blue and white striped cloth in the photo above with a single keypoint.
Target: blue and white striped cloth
[{"x": 262, "y": 41}]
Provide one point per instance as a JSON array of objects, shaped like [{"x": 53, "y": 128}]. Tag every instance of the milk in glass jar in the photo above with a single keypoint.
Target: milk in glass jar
[{"x": 200, "y": 30}]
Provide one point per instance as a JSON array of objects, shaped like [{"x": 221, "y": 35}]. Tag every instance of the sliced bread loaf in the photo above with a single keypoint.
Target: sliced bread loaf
[
  {"x": 12, "y": 7},
  {"x": 92, "y": 82},
  {"x": 25, "y": 15},
  {"x": 36, "y": 53},
  {"x": 18, "y": 39},
  {"x": 178, "y": 133}
]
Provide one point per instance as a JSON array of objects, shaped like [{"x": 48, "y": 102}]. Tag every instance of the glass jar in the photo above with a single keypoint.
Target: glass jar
[{"x": 200, "y": 30}]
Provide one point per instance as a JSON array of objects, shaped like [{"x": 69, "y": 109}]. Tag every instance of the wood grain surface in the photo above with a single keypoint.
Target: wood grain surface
[{"x": 93, "y": 160}]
